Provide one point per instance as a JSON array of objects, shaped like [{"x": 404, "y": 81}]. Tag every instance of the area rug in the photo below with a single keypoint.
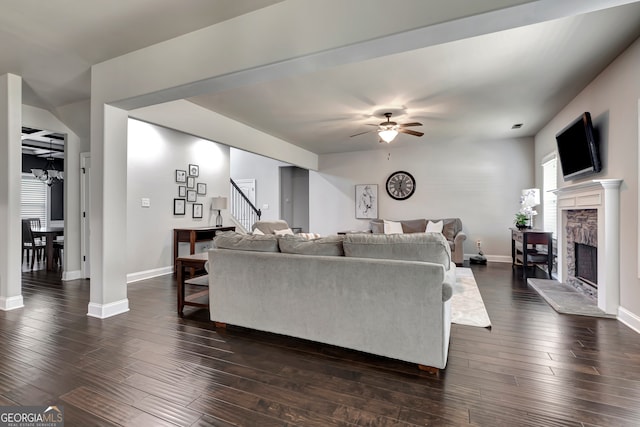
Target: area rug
[
  {"x": 564, "y": 299},
  {"x": 467, "y": 307}
]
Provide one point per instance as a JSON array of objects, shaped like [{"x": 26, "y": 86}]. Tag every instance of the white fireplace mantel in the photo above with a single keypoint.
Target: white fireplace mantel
[{"x": 604, "y": 196}]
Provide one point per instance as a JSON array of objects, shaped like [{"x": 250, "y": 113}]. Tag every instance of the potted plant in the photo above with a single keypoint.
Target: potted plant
[{"x": 521, "y": 220}]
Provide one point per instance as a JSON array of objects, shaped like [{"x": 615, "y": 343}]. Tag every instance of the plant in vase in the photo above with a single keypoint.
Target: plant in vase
[{"x": 521, "y": 220}]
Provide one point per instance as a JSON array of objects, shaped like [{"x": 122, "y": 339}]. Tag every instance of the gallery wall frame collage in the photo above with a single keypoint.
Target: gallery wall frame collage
[{"x": 188, "y": 192}]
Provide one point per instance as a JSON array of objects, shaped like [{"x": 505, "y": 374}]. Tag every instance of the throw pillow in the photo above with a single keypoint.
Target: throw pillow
[
  {"x": 283, "y": 232},
  {"x": 308, "y": 236},
  {"x": 435, "y": 227},
  {"x": 258, "y": 232},
  {"x": 392, "y": 227}
]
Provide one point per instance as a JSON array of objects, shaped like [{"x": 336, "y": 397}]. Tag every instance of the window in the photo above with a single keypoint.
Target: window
[
  {"x": 549, "y": 182},
  {"x": 34, "y": 199}
]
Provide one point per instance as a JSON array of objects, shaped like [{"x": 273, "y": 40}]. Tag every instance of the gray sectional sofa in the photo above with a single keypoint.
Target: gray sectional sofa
[
  {"x": 387, "y": 295},
  {"x": 452, "y": 231}
]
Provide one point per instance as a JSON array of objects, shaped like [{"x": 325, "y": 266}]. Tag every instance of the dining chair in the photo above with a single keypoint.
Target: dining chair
[
  {"x": 30, "y": 244},
  {"x": 58, "y": 251},
  {"x": 35, "y": 223}
]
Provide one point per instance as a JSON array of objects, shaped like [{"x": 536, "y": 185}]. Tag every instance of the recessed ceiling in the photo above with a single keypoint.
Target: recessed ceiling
[{"x": 473, "y": 88}]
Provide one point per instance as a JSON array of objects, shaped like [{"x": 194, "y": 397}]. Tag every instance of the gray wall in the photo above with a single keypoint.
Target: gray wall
[
  {"x": 153, "y": 155},
  {"x": 477, "y": 181},
  {"x": 612, "y": 99}
]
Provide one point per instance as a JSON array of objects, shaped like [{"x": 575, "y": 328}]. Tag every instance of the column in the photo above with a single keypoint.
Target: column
[{"x": 10, "y": 177}]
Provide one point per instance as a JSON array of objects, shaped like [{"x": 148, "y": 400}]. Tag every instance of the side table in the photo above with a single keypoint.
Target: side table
[
  {"x": 524, "y": 252},
  {"x": 195, "y": 261},
  {"x": 192, "y": 235}
]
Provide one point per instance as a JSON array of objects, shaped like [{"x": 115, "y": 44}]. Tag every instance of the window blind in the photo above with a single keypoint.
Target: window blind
[
  {"x": 549, "y": 203},
  {"x": 34, "y": 199}
]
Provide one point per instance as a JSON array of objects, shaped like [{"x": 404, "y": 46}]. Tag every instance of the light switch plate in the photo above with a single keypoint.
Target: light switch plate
[{"x": 146, "y": 202}]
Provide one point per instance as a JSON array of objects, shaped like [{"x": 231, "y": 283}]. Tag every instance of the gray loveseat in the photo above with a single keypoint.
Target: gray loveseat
[
  {"x": 452, "y": 231},
  {"x": 387, "y": 295}
]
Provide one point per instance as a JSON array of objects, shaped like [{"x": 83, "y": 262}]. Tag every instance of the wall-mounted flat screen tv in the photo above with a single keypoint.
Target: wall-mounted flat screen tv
[{"x": 578, "y": 149}]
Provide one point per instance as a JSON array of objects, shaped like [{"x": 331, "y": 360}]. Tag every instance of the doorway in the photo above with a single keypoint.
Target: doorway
[{"x": 294, "y": 197}]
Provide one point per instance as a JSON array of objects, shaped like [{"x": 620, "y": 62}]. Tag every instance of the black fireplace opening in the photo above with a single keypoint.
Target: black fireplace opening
[{"x": 586, "y": 259}]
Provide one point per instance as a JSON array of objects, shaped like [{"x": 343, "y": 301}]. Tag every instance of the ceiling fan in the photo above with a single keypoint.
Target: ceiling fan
[{"x": 387, "y": 131}]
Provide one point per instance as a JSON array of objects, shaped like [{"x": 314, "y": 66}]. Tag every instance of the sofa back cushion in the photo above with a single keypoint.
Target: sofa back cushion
[
  {"x": 429, "y": 247},
  {"x": 408, "y": 225},
  {"x": 327, "y": 246},
  {"x": 246, "y": 242}
]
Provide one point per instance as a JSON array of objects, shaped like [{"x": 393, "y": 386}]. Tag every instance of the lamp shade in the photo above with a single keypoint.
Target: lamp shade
[
  {"x": 218, "y": 203},
  {"x": 530, "y": 197}
]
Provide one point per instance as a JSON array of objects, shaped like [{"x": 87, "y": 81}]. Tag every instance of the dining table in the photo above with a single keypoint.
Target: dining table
[{"x": 50, "y": 234}]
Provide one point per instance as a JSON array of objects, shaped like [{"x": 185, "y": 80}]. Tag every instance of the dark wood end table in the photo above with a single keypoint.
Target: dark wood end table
[{"x": 195, "y": 261}]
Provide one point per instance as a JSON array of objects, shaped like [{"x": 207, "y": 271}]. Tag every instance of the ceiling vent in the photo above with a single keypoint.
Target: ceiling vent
[{"x": 516, "y": 126}]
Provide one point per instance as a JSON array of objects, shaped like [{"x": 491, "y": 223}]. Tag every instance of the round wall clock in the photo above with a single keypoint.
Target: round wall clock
[{"x": 401, "y": 185}]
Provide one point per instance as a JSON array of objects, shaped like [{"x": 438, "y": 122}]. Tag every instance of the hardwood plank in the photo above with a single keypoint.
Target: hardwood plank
[{"x": 151, "y": 367}]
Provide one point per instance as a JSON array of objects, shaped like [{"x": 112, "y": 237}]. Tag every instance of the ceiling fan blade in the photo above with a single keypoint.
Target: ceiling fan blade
[
  {"x": 406, "y": 125},
  {"x": 410, "y": 132},
  {"x": 361, "y": 133}
]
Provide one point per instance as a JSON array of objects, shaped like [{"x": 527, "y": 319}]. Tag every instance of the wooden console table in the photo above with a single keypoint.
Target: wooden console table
[
  {"x": 525, "y": 253},
  {"x": 195, "y": 261},
  {"x": 192, "y": 235}
]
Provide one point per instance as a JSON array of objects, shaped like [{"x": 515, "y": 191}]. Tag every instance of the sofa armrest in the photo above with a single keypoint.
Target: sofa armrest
[
  {"x": 460, "y": 237},
  {"x": 449, "y": 282},
  {"x": 457, "y": 253}
]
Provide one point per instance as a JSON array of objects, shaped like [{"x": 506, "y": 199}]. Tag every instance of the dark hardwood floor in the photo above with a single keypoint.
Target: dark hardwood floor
[{"x": 150, "y": 367}]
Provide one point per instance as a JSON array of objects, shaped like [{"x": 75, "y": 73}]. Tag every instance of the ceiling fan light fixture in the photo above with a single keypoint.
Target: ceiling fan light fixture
[{"x": 388, "y": 135}]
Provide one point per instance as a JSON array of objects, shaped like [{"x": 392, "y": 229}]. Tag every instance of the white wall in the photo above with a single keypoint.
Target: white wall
[
  {"x": 266, "y": 172},
  {"x": 477, "y": 181},
  {"x": 612, "y": 99},
  {"x": 154, "y": 153}
]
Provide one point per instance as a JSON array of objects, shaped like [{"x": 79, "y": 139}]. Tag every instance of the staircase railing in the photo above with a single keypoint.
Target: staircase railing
[{"x": 242, "y": 209}]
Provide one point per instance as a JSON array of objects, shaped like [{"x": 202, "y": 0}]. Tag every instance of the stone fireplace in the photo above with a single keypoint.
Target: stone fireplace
[
  {"x": 581, "y": 238},
  {"x": 590, "y": 220}
]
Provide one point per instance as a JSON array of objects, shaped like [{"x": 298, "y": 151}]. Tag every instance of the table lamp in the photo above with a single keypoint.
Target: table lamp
[
  {"x": 217, "y": 204},
  {"x": 529, "y": 199}
]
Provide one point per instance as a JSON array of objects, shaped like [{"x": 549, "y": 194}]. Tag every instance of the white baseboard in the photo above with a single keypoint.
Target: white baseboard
[
  {"x": 492, "y": 258},
  {"x": 629, "y": 319},
  {"x": 148, "y": 274},
  {"x": 102, "y": 311},
  {"x": 11, "y": 303},
  {"x": 71, "y": 275}
]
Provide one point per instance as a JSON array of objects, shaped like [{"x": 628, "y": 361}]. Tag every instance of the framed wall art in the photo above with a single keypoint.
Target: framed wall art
[
  {"x": 179, "y": 207},
  {"x": 192, "y": 196},
  {"x": 191, "y": 182},
  {"x": 182, "y": 191},
  {"x": 181, "y": 176},
  {"x": 366, "y": 201},
  {"x": 202, "y": 188},
  {"x": 194, "y": 170},
  {"x": 196, "y": 210}
]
